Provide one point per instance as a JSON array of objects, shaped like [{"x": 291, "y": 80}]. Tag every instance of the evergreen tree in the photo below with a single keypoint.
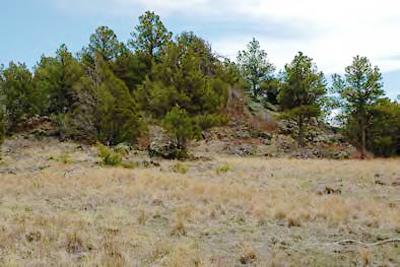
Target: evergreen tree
[
  {"x": 80, "y": 121},
  {"x": 104, "y": 43},
  {"x": 302, "y": 87},
  {"x": 383, "y": 134},
  {"x": 183, "y": 128},
  {"x": 20, "y": 96},
  {"x": 150, "y": 37},
  {"x": 116, "y": 112},
  {"x": 56, "y": 77},
  {"x": 188, "y": 75},
  {"x": 360, "y": 89},
  {"x": 255, "y": 66},
  {"x": 129, "y": 68}
]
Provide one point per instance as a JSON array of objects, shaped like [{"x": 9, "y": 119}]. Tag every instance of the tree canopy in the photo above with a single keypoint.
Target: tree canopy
[
  {"x": 255, "y": 65},
  {"x": 111, "y": 91},
  {"x": 360, "y": 89},
  {"x": 302, "y": 86}
]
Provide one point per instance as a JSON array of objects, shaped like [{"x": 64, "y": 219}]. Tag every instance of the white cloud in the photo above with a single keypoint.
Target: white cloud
[{"x": 333, "y": 31}]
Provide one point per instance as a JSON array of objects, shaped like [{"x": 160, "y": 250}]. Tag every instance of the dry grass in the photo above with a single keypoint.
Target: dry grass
[{"x": 58, "y": 207}]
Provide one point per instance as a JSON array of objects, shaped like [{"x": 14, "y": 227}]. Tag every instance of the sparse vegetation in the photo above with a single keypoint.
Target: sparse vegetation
[
  {"x": 223, "y": 169},
  {"x": 109, "y": 156},
  {"x": 268, "y": 212}
]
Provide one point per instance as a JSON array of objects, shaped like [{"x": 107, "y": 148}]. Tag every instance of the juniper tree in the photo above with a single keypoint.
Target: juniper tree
[
  {"x": 20, "y": 96},
  {"x": 56, "y": 77},
  {"x": 118, "y": 118}
]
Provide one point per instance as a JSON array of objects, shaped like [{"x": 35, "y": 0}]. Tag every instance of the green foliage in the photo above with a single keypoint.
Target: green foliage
[
  {"x": 104, "y": 43},
  {"x": 181, "y": 126},
  {"x": 302, "y": 87},
  {"x": 107, "y": 93},
  {"x": 117, "y": 113},
  {"x": 56, "y": 78},
  {"x": 360, "y": 89},
  {"x": 269, "y": 89},
  {"x": 383, "y": 134},
  {"x": 109, "y": 157},
  {"x": 223, "y": 169},
  {"x": 180, "y": 168},
  {"x": 130, "y": 68},
  {"x": 208, "y": 121},
  {"x": 70, "y": 95},
  {"x": 20, "y": 96},
  {"x": 254, "y": 65},
  {"x": 123, "y": 148},
  {"x": 187, "y": 76},
  {"x": 150, "y": 37}
]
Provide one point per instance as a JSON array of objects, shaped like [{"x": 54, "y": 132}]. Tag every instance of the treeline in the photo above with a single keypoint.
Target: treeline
[
  {"x": 366, "y": 117},
  {"x": 111, "y": 91}
]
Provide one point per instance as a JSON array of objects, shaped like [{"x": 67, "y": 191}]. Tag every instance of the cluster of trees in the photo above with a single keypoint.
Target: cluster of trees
[
  {"x": 110, "y": 91},
  {"x": 367, "y": 118}
]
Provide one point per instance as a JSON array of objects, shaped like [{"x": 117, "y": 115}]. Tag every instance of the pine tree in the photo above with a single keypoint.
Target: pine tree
[
  {"x": 254, "y": 66},
  {"x": 302, "y": 86},
  {"x": 188, "y": 75},
  {"x": 360, "y": 88}
]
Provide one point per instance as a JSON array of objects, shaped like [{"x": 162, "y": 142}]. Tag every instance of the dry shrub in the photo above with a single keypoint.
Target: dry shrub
[
  {"x": 248, "y": 255},
  {"x": 75, "y": 244},
  {"x": 358, "y": 155},
  {"x": 178, "y": 227},
  {"x": 364, "y": 255},
  {"x": 113, "y": 248}
]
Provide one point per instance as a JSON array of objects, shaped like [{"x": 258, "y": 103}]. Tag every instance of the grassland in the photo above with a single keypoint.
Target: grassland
[{"x": 59, "y": 207}]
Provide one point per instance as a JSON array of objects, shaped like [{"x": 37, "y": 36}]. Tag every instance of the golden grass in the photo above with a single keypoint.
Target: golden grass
[{"x": 260, "y": 212}]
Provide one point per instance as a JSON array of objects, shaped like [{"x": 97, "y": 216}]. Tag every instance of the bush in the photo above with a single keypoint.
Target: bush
[
  {"x": 182, "y": 129},
  {"x": 123, "y": 148},
  {"x": 109, "y": 157},
  {"x": 208, "y": 121},
  {"x": 179, "y": 168},
  {"x": 169, "y": 152},
  {"x": 223, "y": 169}
]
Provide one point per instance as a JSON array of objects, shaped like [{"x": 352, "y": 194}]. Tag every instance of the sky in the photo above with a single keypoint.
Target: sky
[{"x": 331, "y": 32}]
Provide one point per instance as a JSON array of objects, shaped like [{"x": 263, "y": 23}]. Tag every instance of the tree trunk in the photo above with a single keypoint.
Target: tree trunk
[{"x": 363, "y": 139}]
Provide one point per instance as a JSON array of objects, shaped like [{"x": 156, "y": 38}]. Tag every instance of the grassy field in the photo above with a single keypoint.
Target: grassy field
[{"x": 59, "y": 207}]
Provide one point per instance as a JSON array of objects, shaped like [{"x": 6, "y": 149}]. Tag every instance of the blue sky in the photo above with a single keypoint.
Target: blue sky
[{"x": 331, "y": 32}]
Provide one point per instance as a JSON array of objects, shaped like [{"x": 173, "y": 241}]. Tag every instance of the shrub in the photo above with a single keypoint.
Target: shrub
[
  {"x": 109, "y": 156},
  {"x": 122, "y": 148},
  {"x": 223, "y": 169},
  {"x": 179, "y": 168},
  {"x": 181, "y": 126},
  {"x": 169, "y": 152}
]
